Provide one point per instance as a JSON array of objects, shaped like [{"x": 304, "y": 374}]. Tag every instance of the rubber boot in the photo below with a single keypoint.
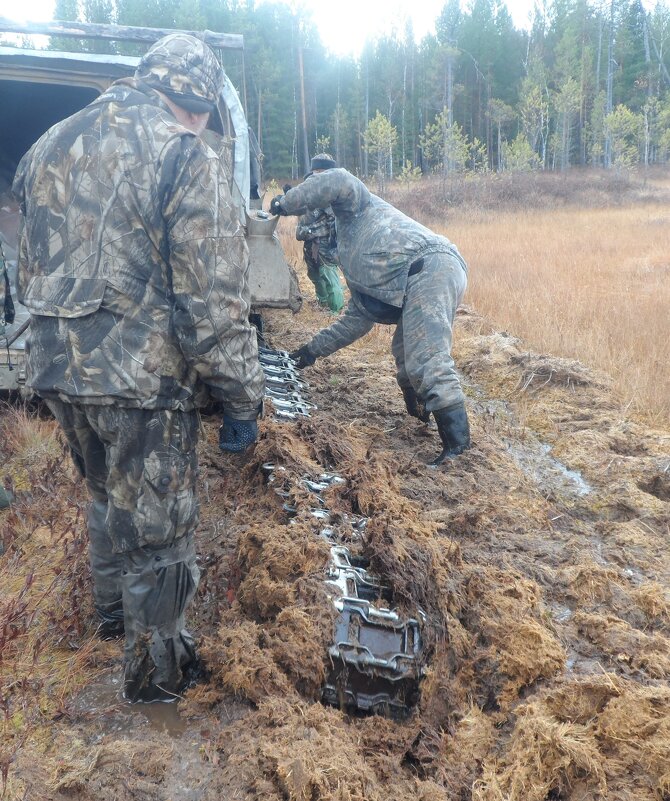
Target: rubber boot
[
  {"x": 106, "y": 568},
  {"x": 454, "y": 430},
  {"x": 415, "y": 406},
  {"x": 158, "y": 586}
]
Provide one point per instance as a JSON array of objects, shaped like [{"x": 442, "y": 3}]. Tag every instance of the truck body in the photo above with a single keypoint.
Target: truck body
[{"x": 38, "y": 88}]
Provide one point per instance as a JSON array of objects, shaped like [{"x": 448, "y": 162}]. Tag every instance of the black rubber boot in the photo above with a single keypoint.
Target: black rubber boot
[
  {"x": 415, "y": 406},
  {"x": 158, "y": 585},
  {"x": 111, "y": 625},
  {"x": 454, "y": 430}
]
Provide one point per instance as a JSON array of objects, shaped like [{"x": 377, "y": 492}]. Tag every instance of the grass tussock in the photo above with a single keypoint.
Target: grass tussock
[{"x": 596, "y": 737}]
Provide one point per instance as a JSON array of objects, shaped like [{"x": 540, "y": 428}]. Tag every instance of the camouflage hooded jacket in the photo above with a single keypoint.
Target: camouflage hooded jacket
[
  {"x": 133, "y": 263},
  {"x": 376, "y": 242}
]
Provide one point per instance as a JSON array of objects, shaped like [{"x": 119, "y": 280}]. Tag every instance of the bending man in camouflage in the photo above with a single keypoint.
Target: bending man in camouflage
[
  {"x": 401, "y": 273},
  {"x": 316, "y": 229},
  {"x": 133, "y": 264}
]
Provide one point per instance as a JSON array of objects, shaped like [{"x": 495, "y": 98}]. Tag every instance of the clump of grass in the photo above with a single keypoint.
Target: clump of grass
[{"x": 27, "y": 441}]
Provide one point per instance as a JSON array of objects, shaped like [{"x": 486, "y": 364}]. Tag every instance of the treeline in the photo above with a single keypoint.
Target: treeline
[{"x": 587, "y": 85}]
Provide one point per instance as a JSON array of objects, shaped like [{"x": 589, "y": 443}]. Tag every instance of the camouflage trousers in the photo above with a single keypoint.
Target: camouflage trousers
[
  {"x": 140, "y": 468},
  {"x": 422, "y": 339}
]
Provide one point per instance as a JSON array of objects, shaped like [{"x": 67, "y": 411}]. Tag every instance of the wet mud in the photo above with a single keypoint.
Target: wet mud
[{"x": 539, "y": 558}]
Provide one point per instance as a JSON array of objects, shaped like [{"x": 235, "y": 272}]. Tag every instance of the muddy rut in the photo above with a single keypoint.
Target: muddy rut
[{"x": 539, "y": 558}]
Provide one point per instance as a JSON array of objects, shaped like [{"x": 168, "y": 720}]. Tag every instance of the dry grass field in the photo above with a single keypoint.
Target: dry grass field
[{"x": 589, "y": 284}]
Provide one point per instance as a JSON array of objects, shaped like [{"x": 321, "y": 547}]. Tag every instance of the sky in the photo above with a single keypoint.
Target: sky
[{"x": 344, "y": 25}]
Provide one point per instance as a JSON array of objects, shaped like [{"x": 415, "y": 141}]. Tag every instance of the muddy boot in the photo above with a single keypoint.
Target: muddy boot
[
  {"x": 106, "y": 567},
  {"x": 415, "y": 406},
  {"x": 158, "y": 586},
  {"x": 454, "y": 430}
]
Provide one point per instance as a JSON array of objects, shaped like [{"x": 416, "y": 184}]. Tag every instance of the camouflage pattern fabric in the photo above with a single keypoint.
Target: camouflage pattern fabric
[
  {"x": 350, "y": 326},
  {"x": 423, "y": 336},
  {"x": 376, "y": 243},
  {"x": 317, "y": 230},
  {"x": 185, "y": 69},
  {"x": 158, "y": 586},
  {"x": 133, "y": 264},
  {"x": 138, "y": 289},
  {"x": 142, "y": 463},
  {"x": 140, "y": 468},
  {"x": 422, "y": 339}
]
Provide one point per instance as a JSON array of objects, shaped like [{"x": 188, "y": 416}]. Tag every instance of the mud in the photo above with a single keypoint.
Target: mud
[{"x": 539, "y": 557}]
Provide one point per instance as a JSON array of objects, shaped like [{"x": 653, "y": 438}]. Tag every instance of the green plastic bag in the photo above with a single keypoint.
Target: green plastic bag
[{"x": 328, "y": 287}]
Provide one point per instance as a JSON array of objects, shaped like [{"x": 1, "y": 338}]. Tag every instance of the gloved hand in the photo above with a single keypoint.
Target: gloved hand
[
  {"x": 276, "y": 208},
  {"x": 415, "y": 406},
  {"x": 454, "y": 430},
  {"x": 236, "y": 436},
  {"x": 302, "y": 357}
]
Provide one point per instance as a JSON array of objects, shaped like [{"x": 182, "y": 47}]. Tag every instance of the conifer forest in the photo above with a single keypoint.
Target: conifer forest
[{"x": 588, "y": 84}]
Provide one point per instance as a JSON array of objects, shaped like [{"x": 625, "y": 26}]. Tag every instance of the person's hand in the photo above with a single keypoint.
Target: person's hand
[
  {"x": 236, "y": 436},
  {"x": 276, "y": 207},
  {"x": 303, "y": 357}
]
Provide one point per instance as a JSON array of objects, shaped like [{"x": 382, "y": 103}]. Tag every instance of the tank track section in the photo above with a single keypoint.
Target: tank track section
[{"x": 377, "y": 655}]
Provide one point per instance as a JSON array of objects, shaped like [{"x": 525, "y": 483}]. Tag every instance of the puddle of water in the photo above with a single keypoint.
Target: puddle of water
[
  {"x": 534, "y": 457},
  {"x": 561, "y": 614},
  {"x": 536, "y": 461},
  {"x": 104, "y": 700},
  {"x": 582, "y": 487},
  {"x": 635, "y": 576}
]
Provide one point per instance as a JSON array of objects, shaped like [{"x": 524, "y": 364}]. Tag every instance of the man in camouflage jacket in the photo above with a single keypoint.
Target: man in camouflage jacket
[
  {"x": 401, "y": 273},
  {"x": 133, "y": 264},
  {"x": 317, "y": 230}
]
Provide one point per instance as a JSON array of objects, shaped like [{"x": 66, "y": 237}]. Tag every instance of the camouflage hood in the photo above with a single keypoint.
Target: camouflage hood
[{"x": 185, "y": 69}]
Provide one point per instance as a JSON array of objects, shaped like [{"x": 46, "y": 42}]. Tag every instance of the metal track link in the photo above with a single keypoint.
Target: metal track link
[{"x": 376, "y": 655}]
